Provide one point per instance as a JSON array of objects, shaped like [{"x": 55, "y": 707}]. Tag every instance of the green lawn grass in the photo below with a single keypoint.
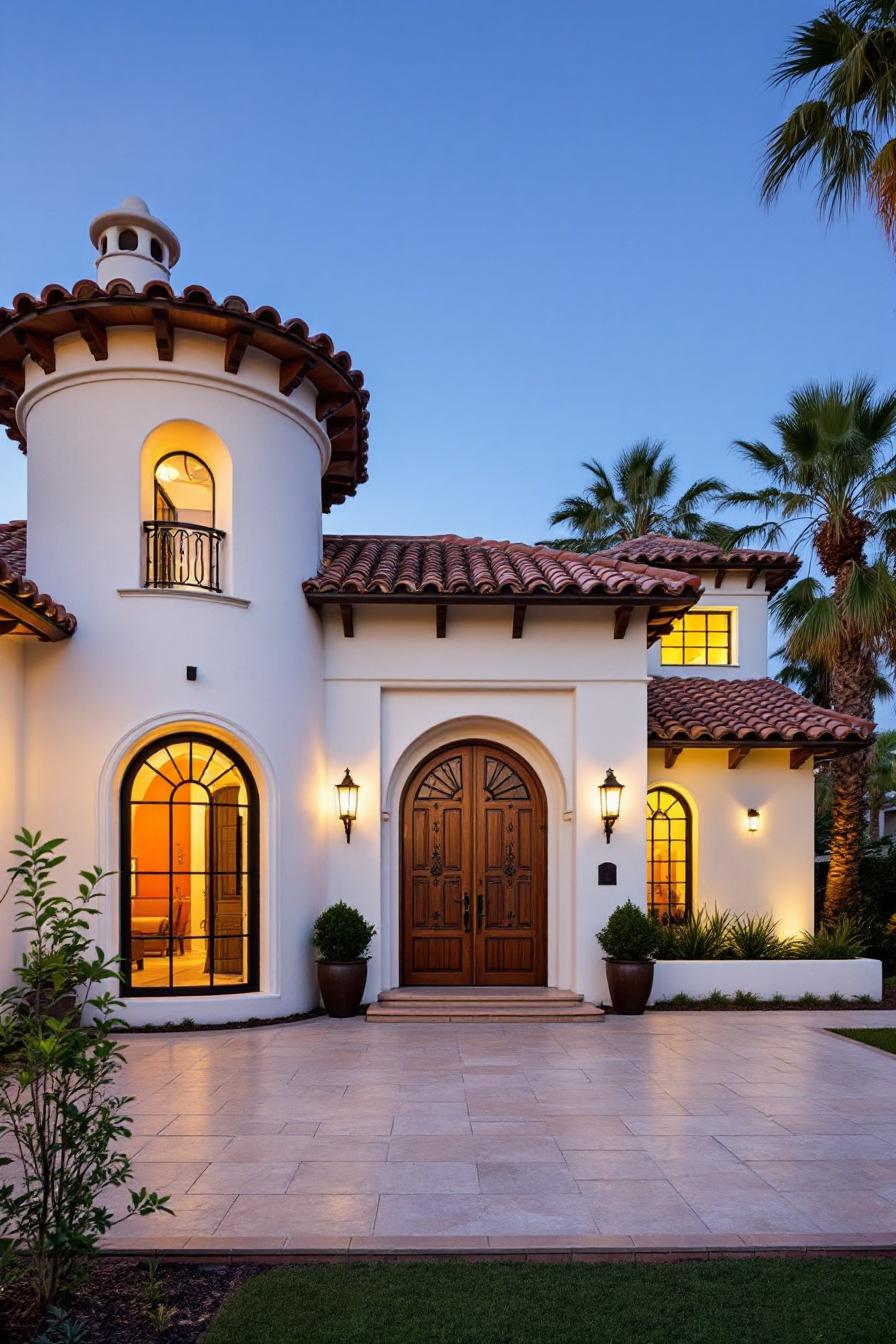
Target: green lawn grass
[
  {"x": 752, "y": 1301},
  {"x": 883, "y": 1037}
]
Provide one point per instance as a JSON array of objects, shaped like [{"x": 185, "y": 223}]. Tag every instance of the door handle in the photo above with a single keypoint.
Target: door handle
[
  {"x": 480, "y": 909},
  {"x": 466, "y": 904}
]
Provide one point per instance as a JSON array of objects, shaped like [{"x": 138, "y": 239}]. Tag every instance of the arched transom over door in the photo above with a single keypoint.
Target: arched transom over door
[{"x": 473, "y": 872}]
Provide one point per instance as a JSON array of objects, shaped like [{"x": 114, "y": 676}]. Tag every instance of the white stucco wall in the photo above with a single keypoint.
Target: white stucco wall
[
  {"x": 769, "y": 871},
  {"x": 11, "y": 818},
  {"x": 568, "y": 697},
  {"x": 750, "y": 628},
  {"x": 122, "y": 677}
]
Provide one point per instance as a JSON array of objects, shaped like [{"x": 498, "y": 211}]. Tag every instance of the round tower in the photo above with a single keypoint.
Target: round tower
[
  {"x": 180, "y": 453},
  {"x": 133, "y": 245}
]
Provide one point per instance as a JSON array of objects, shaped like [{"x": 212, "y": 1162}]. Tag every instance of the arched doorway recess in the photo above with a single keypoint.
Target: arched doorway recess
[{"x": 473, "y": 869}]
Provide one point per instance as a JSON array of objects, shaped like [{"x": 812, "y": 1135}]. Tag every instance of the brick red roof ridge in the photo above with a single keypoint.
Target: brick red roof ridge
[
  {"x": 758, "y": 710},
  {"x": 194, "y": 298},
  {"x": 449, "y": 564},
  {"x": 13, "y": 556},
  {"x": 657, "y": 548}
]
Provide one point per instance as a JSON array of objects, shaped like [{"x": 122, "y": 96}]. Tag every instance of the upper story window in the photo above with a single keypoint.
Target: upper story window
[
  {"x": 182, "y": 542},
  {"x": 699, "y": 639}
]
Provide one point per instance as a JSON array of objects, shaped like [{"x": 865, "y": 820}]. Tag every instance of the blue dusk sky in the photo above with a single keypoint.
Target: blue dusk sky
[{"x": 536, "y": 228}]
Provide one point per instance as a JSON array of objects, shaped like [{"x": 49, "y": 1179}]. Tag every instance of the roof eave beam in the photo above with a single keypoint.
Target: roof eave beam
[
  {"x": 35, "y": 621},
  {"x": 621, "y": 617},
  {"x": 671, "y": 755},
  {"x": 736, "y": 755}
]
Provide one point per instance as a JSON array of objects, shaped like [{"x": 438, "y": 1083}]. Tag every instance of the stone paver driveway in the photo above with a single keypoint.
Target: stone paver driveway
[{"x": 700, "y": 1129}]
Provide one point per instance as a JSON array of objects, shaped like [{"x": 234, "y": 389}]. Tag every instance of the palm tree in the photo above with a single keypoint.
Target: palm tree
[
  {"x": 846, "y": 61},
  {"x": 881, "y": 775},
  {"x": 833, "y": 482},
  {"x": 634, "y": 500}
]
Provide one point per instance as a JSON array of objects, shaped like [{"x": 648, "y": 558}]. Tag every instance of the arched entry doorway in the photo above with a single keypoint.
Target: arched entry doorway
[{"x": 473, "y": 870}]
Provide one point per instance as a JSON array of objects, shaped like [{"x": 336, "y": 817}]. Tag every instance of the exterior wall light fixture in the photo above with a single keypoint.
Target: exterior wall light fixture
[
  {"x": 347, "y": 795},
  {"x": 610, "y": 800},
  {"x": 752, "y": 820}
]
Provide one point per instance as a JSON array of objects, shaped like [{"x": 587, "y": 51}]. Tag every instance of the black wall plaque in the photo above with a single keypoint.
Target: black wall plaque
[{"x": 606, "y": 875}]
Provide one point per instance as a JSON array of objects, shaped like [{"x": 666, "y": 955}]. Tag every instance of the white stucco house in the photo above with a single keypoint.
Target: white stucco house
[{"x": 228, "y": 660}]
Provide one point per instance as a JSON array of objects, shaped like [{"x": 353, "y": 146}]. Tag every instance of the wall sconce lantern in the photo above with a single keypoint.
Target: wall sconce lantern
[
  {"x": 752, "y": 820},
  {"x": 347, "y": 794},
  {"x": 610, "y": 799}
]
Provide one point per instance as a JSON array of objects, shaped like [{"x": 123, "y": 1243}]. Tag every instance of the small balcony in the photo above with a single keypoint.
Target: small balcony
[{"x": 182, "y": 555}]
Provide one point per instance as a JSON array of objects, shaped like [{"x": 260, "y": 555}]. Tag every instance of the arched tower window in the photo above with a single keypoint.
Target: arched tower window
[
  {"x": 189, "y": 869},
  {"x": 669, "y": 857},
  {"x": 127, "y": 240},
  {"x": 183, "y": 545}
]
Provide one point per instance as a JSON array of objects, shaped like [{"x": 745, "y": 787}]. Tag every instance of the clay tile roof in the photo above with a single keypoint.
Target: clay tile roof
[
  {"x": 760, "y": 711},
  {"x": 372, "y": 566},
  {"x": 31, "y": 325},
  {"x": 22, "y": 600},
  {"x": 654, "y": 549}
]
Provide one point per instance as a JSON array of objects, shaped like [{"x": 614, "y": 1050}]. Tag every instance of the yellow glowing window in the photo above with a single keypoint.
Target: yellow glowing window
[
  {"x": 698, "y": 639},
  {"x": 668, "y": 856}
]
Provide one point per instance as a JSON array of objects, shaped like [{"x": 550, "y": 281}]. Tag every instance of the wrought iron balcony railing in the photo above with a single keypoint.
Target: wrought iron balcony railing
[{"x": 182, "y": 555}]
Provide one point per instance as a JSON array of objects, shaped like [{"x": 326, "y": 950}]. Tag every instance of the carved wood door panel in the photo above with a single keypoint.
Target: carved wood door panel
[{"x": 473, "y": 883}]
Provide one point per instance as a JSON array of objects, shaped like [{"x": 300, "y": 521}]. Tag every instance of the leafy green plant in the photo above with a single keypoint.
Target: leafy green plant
[
  {"x": 58, "y": 1107},
  {"x": 808, "y": 1000},
  {"x": 63, "y": 1329},
  {"x": 745, "y": 998},
  {"x": 864, "y": 998},
  {"x": 836, "y": 1000},
  {"x": 702, "y": 936},
  {"x": 681, "y": 1000},
  {"x": 778, "y": 998},
  {"x": 629, "y": 934},
  {"x": 716, "y": 998},
  {"x": 842, "y": 941},
  {"x": 341, "y": 933},
  {"x": 755, "y": 937}
]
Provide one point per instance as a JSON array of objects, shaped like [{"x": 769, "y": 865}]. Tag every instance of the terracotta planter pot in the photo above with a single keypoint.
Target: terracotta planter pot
[
  {"x": 342, "y": 986},
  {"x": 630, "y": 983}
]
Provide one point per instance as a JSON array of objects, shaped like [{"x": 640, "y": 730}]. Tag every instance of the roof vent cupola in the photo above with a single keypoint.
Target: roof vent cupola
[{"x": 132, "y": 245}]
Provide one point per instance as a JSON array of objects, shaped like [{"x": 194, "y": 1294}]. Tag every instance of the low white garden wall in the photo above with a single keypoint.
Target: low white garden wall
[{"x": 765, "y": 979}]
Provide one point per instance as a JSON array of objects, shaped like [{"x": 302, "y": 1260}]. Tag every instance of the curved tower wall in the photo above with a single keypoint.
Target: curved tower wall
[{"x": 257, "y": 648}]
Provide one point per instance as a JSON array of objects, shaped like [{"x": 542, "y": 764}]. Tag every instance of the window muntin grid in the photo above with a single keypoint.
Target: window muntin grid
[
  {"x": 669, "y": 860},
  {"x": 698, "y": 639}
]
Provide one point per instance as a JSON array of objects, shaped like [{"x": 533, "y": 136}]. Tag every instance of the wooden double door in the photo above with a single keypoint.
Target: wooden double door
[{"x": 473, "y": 870}]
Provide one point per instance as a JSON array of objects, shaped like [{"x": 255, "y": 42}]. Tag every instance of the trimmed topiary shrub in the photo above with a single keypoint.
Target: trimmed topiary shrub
[
  {"x": 341, "y": 933},
  {"x": 629, "y": 934}
]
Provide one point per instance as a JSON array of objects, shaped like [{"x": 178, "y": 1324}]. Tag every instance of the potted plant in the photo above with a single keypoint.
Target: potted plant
[
  {"x": 629, "y": 940},
  {"x": 342, "y": 936}
]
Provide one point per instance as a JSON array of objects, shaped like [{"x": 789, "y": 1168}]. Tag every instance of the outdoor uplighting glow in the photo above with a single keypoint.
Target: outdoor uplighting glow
[{"x": 347, "y": 796}]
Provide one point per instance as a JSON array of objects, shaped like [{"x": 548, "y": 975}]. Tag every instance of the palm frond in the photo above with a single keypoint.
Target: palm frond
[{"x": 817, "y": 637}]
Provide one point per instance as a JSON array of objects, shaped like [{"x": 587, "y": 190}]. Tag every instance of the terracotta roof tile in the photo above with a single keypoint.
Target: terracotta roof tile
[
  {"x": 342, "y": 396},
  {"x": 759, "y": 710},
  {"x": 13, "y": 556},
  {"x": 450, "y": 565},
  {"x": 655, "y": 549}
]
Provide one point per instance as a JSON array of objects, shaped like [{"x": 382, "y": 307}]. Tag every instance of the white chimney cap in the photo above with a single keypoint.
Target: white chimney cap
[{"x": 134, "y": 211}]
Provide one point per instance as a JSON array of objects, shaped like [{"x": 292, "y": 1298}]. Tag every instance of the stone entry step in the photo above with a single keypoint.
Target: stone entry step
[{"x": 472, "y": 1003}]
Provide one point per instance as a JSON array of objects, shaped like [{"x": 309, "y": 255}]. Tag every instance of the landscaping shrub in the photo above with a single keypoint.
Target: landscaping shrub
[
  {"x": 57, "y": 1099},
  {"x": 629, "y": 934},
  {"x": 702, "y": 937},
  {"x": 755, "y": 937},
  {"x": 341, "y": 933},
  {"x": 843, "y": 941}
]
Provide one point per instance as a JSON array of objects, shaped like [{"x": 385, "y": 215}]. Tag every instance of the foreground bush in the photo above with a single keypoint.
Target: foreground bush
[
  {"x": 724, "y": 936},
  {"x": 57, "y": 1102}
]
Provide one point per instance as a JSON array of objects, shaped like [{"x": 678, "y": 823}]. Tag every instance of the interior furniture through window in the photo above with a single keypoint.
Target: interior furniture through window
[{"x": 189, "y": 828}]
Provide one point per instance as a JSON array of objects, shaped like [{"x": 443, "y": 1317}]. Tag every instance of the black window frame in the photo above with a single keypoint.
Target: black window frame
[
  {"x": 688, "y": 853},
  {"x": 251, "y": 985}
]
